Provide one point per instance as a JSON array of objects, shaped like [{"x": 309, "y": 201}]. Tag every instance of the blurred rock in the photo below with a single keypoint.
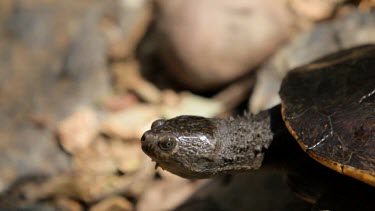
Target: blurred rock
[
  {"x": 108, "y": 167},
  {"x": 103, "y": 169},
  {"x": 236, "y": 93},
  {"x": 130, "y": 123},
  {"x": 366, "y": 4},
  {"x": 78, "y": 130},
  {"x": 53, "y": 60},
  {"x": 325, "y": 38},
  {"x": 50, "y": 58},
  {"x": 315, "y": 10},
  {"x": 127, "y": 77},
  {"x": 119, "y": 102},
  {"x": 115, "y": 203},
  {"x": 208, "y": 43},
  {"x": 186, "y": 103},
  {"x": 124, "y": 25},
  {"x": 168, "y": 192},
  {"x": 63, "y": 203},
  {"x": 21, "y": 193},
  {"x": 5, "y": 9}
]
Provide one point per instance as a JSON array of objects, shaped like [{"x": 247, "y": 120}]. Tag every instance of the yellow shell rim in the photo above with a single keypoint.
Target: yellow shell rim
[{"x": 359, "y": 174}]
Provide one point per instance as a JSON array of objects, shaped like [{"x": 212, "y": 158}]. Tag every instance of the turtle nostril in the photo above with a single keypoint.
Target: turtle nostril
[{"x": 143, "y": 137}]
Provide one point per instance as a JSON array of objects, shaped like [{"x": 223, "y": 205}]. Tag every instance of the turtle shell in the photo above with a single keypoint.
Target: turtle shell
[{"x": 329, "y": 108}]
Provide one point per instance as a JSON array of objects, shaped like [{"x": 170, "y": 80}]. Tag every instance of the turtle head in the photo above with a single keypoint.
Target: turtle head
[{"x": 185, "y": 145}]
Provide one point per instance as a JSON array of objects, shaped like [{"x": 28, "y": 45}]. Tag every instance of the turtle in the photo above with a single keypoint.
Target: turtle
[{"x": 326, "y": 119}]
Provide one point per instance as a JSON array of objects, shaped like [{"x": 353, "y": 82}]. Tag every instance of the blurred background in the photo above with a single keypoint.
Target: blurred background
[{"x": 80, "y": 81}]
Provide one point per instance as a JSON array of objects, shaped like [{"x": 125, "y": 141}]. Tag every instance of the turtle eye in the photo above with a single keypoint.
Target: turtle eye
[{"x": 167, "y": 144}]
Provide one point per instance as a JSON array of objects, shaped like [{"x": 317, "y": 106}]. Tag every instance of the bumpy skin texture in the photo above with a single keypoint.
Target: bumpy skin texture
[{"x": 198, "y": 147}]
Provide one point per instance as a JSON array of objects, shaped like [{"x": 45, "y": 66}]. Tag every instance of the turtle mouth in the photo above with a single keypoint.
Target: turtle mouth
[
  {"x": 156, "y": 165},
  {"x": 166, "y": 163}
]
